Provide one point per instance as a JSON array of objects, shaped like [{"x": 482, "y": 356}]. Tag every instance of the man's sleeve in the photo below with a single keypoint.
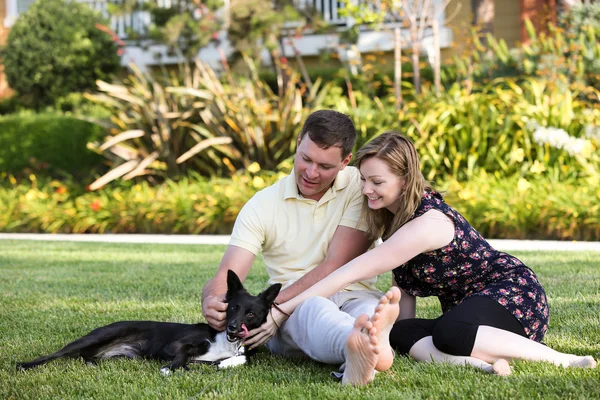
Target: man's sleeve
[
  {"x": 248, "y": 230},
  {"x": 351, "y": 216}
]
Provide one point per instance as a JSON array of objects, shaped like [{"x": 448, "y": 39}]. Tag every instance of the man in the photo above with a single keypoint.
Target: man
[{"x": 307, "y": 226}]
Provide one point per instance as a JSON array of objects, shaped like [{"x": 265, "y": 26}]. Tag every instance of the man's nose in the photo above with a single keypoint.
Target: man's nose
[{"x": 311, "y": 171}]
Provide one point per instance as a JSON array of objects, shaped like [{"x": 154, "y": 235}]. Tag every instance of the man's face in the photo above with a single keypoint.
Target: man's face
[{"x": 316, "y": 168}]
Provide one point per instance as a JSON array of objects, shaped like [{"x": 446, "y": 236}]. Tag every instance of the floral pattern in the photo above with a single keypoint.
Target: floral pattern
[{"x": 469, "y": 266}]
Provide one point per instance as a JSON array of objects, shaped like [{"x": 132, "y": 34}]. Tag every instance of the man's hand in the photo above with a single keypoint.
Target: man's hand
[
  {"x": 214, "y": 310},
  {"x": 261, "y": 335},
  {"x": 213, "y": 294}
]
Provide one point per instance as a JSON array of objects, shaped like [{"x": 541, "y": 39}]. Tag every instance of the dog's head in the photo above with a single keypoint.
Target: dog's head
[{"x": 245, "y": 311}]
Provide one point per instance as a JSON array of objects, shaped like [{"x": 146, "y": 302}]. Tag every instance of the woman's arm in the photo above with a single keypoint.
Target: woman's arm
[
  {"x": 425, "y": 233},
  {"x": 430, "y": 231}
]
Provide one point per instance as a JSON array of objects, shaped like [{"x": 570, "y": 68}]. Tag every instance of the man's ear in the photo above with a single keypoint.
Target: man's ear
[
  {"x": 234, "y": 284},
  {"x": 270, "y": 294},
  {"x": 346, "y": 161}
]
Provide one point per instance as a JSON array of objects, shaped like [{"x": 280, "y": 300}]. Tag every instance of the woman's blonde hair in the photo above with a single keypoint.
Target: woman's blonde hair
[{"x": 402, "y": 159}]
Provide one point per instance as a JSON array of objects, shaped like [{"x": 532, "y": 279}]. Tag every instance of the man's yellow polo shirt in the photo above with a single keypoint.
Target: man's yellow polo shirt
[{"x": 294, "y": 232}]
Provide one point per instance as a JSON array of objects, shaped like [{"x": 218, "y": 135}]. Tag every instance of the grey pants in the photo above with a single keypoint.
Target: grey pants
[{"x": 319, "y": 327}]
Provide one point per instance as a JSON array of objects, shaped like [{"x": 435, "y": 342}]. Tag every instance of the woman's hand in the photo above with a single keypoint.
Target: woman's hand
[{"x": 261, "y": 335}]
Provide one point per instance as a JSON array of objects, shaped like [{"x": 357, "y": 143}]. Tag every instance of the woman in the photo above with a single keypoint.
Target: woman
[{"x": 494, "y": 308}]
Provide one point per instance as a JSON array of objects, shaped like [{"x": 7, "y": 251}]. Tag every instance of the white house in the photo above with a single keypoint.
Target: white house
[{"x": 308, "y": 45}]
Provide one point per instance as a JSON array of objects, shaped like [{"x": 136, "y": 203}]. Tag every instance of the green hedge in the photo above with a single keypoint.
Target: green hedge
[
  {"x": 51, "y": 143},
  {"x": 511, "y": 207},
  {"x": 57, "y": 47}
]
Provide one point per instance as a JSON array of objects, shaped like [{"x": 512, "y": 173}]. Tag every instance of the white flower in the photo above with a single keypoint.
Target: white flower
[
  {"x": 593, "y": 132},
  {"x": 552, "y": 136},
  {"x": 560, "y": 139},
  {"x": 575, "y": 146},
  {"x": 523, "y": 185}
]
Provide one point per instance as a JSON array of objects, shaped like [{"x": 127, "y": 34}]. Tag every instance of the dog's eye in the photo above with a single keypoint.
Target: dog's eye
[{"x": 250, "y": 314}]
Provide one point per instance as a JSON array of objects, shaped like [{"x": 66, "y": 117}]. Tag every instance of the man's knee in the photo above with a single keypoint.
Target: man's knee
[
  {"x": 310, "y": 310},
  {"x": 313, "y": 304},
  {"x": 454, "y": 337}
]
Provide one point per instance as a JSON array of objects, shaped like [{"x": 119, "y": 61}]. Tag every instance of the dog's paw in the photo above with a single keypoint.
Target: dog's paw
[
  {"x": 165, "y": 371},
  {"x": 24, "y": 366},
  {"x": 232, "y": 362}
]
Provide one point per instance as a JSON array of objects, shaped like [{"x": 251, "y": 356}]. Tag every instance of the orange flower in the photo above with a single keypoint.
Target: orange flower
[
  {"x": 103, "y": 28},
  {"x": 95, "y": 205},
  {"x": 61, "y": 190}
]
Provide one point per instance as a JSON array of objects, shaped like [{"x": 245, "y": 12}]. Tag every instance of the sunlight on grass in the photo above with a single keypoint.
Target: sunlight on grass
[{"x": 53, "y": 292}]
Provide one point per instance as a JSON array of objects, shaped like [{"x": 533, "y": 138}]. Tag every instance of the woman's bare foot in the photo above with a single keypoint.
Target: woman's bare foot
[
  {"x": 361, "y": 353},
  {"x": 581, "y": 362},
  {"x": 501, "y": 368},
  {"x": 383, "y": 319}
]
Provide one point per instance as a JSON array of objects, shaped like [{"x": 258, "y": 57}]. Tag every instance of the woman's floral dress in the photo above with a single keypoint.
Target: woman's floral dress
[{"x": 469, "y": 266}]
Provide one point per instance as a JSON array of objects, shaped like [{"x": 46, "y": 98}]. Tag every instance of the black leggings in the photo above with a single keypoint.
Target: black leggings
[{"x": 454, "y": 332}]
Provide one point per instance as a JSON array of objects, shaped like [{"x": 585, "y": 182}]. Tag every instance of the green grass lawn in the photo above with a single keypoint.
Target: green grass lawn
[{"x": 52, "y": 293}]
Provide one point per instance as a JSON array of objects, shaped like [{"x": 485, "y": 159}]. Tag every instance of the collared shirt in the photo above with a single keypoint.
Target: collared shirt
[{"x": 294, "y": 232}]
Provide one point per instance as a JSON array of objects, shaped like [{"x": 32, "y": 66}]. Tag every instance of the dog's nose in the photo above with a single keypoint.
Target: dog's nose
[{"x": 232, "y": 327}]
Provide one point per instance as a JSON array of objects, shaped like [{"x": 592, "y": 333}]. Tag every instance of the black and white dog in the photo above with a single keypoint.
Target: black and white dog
[{"x": 177, "y": 343}]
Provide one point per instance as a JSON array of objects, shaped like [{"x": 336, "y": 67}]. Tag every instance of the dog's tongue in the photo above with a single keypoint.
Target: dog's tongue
[{"x": 245, "y": 331}]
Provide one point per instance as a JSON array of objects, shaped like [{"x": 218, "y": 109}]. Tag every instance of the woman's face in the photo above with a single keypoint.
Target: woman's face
[{"x": 381, "y": 186}]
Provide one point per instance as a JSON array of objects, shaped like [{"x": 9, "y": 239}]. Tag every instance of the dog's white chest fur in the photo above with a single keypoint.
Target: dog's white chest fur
[
  {"x": 228, "y": 354},
  {"x": 221, "y": 349}
]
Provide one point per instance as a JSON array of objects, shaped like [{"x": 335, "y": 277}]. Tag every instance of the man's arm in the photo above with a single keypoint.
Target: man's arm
[
  {"x": 238, "y": 260},
  {"x": 346, "y": 244}
]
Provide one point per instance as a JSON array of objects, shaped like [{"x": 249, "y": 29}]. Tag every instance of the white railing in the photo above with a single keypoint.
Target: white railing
[
  {"x": 136, "y": 21},
  {"x": 139, "y": 21},
  {"x": 329, "y": 10}
]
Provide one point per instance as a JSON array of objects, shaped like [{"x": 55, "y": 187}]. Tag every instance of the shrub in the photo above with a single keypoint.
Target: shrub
[
  {"x": 51, "y": 143},
  {"x": 165, "y": 128},
  {"x": 579, "y": 17},
  {"x": 573, "y": 54},
  {"x": 535, "y": 208},
  {"x": 461, "y": 133},
  {"x": 510, "y": 207},
  {"x": 9, "y": 105},
  {"x": 190, "y": 206},
  {"x": 76, "y": 104},
  {"x": 57, "y": 47}
]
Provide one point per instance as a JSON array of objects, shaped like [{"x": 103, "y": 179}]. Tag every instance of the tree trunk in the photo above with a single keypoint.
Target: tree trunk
[
  {"x": 416, "y": 52},
  {"x": 437, "y": 62},
  {"x": 398, "y": 67}
]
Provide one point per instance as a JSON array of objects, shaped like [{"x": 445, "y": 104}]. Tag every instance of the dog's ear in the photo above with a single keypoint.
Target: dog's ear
[
  {"x": 270, "y": 294},
  {"x": 234, "y": 284}
]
